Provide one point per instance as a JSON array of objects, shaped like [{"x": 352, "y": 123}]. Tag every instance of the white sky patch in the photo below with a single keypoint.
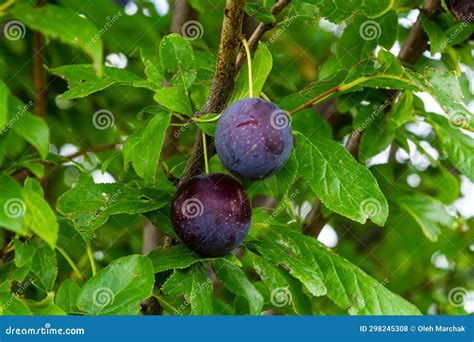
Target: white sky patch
[
  {"x": 131, "y": 8},
  {"x": 430, "y": 104},
  {"x": 100, "y": 178},
  {"x": 381, "y": 158},
  {"x": 465, "y": 204},
  {"x": 410, "y": 19},
  {"x": 328, "y": 236},
  {"x": 161, "y": 6},
  {"x": 413, "y": 180},
  {"x": 68, "y": 149},
  {"x": 116, "y": 60},
  {"x": 440, "y": 261}
]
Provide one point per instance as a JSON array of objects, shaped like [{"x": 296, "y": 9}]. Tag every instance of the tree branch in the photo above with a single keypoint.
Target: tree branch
[
  {"x": 259, "y": 32},
  {"x": 223, "y": 81},
  {"x": 412, "y": 49},
  {"x": 228, "y": 64}
]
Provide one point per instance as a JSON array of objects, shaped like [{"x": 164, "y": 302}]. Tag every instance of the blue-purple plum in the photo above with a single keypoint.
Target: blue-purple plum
[
  {"x": 211, "y": 214},
  {"x": 253, "y": 138}
]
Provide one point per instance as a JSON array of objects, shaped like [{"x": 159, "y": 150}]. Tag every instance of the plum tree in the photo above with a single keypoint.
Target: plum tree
[
  {"x": 253, "y": 138},
  {"x": 211, "y": 214}
]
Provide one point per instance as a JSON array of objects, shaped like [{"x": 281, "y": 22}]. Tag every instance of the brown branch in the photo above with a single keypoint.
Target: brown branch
[
  {"x": 95, "y": 148},
  {"x": 223, "y": 81},
  {"x": 412, "y": 49},
  {"x": 228, "y": 64},
  {"x": 260, "y": 31}
]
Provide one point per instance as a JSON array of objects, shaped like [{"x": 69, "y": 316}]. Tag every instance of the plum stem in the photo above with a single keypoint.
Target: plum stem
[
  {"x": 206, "y": 120},
  {"x": 70, "y": 262},
  {"x": 204, "y": 147},
  {"x": 249, "y": 62},
  {"x": 262, "y": 94},
  {"x": 91, "y": 260}
]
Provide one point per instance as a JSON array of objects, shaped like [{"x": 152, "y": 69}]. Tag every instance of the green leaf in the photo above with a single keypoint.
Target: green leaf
[
  {"x": 276, "y": 254},
  {"x": 63, "y": 24},
  {"x": 153, "y": 69},
  {"x": 347, "y": 285},
  {"x": 12, "y": 205},
  {"x": 179, "y": 257},
  {"x": 175, "y": 99},
  {"x": 67, "y": 295},
  {"x": 362, "y": 36},
  {"x": 436, "y": 35},
  {"x": 428, "y": 213},
  {"x": 176, "y": 257},
  {"x": 339, "y": 10},
  {"x": 45, "y": 307},
  {"x": 340, "y": 182},
  {"x": 261, "y": 66},
  {"x": 45, "y": 267},
  {"x": 143, "y": 147},
  {"x": 40, "y": 218},
  {"x": 89, "y": 205},
  {"x": 119, "y": 288},
  {"x": 459, "y": 146},
  {"x": 377, "y": 137},
  {"x": 235, "y": 280},
  {"x": 12, "y": 305},
  {"x": 196, "y": 287},
  {"x": 402, "y": 110},
  {"x": 31, "y": 128},
  {"x": 83, "y": 81},
  {"x": 24, "y": 253},
  {"x": 445, "y": 88},
  {"x": 177, "y": 60},
  {"x": 285, "y": 291}
]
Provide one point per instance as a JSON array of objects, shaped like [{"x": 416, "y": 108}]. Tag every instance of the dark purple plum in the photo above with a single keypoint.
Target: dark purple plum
[
  {"x": 253, "y": 138},
  {"x": 211, "y": 214}
]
